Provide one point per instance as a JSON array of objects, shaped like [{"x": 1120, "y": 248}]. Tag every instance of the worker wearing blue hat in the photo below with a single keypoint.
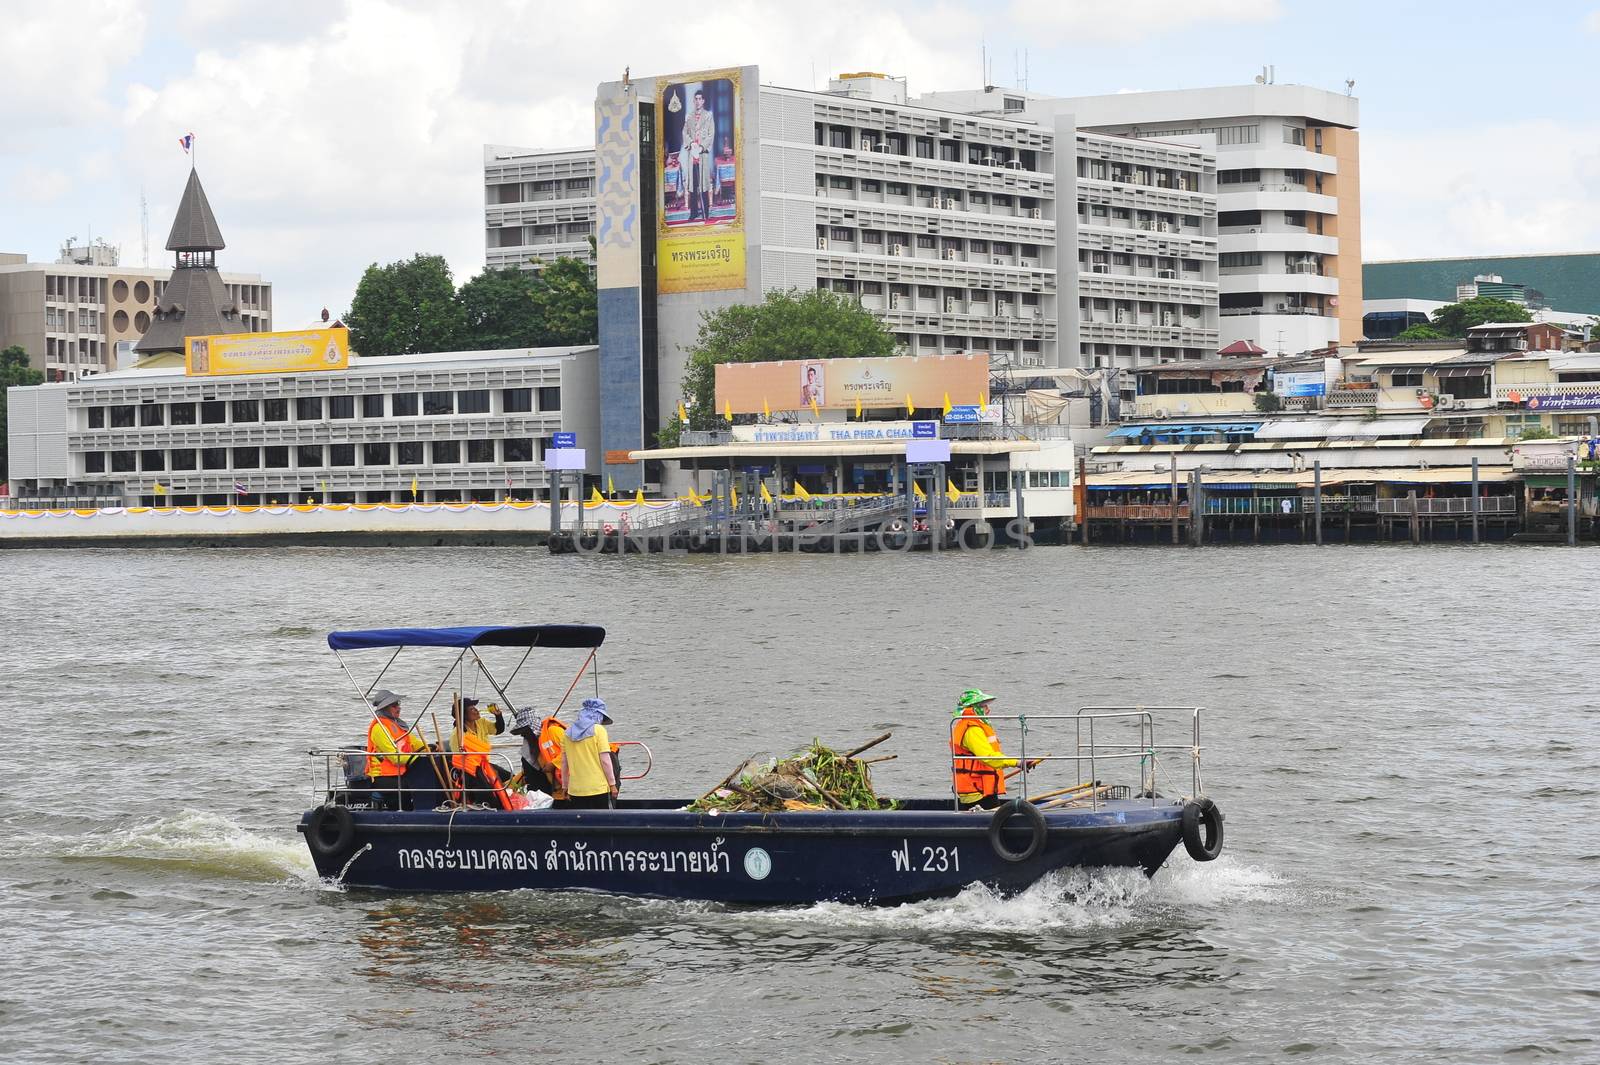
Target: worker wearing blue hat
[{"x": 586, "y": 764}]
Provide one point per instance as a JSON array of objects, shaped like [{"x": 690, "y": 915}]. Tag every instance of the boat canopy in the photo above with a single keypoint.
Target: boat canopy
[{"x": 471, "y": 636}]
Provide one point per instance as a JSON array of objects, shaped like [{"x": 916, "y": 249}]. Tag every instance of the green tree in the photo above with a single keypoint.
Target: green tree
[
  {"x": 14, "y": 372},
  {"x": 567, "y": 304},
  {"x": 498, "y": 310},
  {"x": 797, "y": 324},
  {"x": 405, "y": 307},
  {"x": 1454, "y": 319},
  {"x": 1420, "y": 332}
]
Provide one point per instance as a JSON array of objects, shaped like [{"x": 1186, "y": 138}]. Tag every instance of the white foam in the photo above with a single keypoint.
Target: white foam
[{"x": 208, "y": 841}]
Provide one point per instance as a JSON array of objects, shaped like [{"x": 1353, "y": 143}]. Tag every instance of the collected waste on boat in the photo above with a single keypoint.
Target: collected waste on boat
[{"x": 817, "y": 778}]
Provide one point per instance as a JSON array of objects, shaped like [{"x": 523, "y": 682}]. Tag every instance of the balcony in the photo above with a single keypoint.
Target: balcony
[
  {"x": 1279, "y": 282},
  {"x": 1274, "y": 197}
]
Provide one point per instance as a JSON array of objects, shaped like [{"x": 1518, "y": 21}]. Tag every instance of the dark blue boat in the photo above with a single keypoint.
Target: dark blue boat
[{"x": 657, "y": 848}]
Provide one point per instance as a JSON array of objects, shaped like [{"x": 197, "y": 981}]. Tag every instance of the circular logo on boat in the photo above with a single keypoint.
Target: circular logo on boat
[{"x": 757, "y": 863}]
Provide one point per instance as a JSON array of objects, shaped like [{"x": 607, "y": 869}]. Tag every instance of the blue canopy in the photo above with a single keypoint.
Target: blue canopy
[
  {"x": 471, "y": 636},
  {"x": 1169, "y": 430}
]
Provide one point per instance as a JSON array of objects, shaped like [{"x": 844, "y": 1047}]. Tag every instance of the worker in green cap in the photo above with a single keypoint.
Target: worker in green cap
[{"x": 976, "y": 760}]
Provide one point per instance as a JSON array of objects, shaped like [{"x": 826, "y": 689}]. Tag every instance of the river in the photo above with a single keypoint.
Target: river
[{"x": 1404, "y": 741}]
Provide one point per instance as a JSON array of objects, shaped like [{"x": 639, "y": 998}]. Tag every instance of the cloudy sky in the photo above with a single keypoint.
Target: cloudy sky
[{"x": 336, "y": 133}]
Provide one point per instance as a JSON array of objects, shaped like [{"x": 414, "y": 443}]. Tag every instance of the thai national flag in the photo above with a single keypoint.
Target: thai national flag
[
  {"x": 187, "y": 140},
  {"x": 240, "y": 488}
]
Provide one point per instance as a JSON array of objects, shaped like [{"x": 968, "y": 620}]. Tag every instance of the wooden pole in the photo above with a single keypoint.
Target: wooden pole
[
  {"x": 1416, "y": 524},
  {"x": 1316, "y": 497},
  {"x": 1173, "y": 497},
  {"x": 1477, "y": 502},
  {"x": 865, "y": 746},
  {"x": 1572, "y": 501}
]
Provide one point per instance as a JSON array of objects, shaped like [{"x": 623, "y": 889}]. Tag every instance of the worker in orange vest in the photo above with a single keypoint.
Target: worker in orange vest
[
  {"x": 473, "y": 776},
  {"x": 541, "y": 750},
  {"x": 391, "y": 747},
  {"x": 977, "y": 763}
]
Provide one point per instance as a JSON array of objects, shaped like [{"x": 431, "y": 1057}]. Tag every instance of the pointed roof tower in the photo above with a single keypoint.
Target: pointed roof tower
[
  {"x": 195, "y": 227},
  {"x": 195, "y": 302}
]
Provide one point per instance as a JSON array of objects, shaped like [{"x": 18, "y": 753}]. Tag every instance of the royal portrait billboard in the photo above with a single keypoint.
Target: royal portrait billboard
[
  {"x": 700, "y": 221},
  {"x": 302, "y": 351},
  {"x": 842, "y": 384}
]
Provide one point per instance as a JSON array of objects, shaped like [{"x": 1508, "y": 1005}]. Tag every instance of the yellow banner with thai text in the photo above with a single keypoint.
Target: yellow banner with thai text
[
  {"x": 701, "y": 263},
  {"x": 302, "y": 351}
]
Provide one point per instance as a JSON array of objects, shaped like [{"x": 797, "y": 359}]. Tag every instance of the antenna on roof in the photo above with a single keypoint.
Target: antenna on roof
[
  {"x": 1349, "y": 86},
  {"x": 144, "y": 225}
]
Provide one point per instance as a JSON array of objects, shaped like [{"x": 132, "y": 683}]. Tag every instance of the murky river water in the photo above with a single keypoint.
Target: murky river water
[{"x": 1405, "y": 742}]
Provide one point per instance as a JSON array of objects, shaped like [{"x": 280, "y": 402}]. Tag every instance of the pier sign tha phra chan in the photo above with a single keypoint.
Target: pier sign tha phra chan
[{"x": 300, "y": 351}]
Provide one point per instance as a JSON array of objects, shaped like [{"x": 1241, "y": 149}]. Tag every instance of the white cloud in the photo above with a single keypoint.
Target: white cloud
[
  {"x": 1101, "y": 21},
  {"x": 1591, "y": 22},
  {"x": 1505, "y": 189},
  {"x": 34, "y": 184},
  {"x": 57, "y": 60}
]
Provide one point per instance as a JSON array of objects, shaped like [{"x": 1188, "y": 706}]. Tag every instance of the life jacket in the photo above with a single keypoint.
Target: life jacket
[
  {"x": 405, "y": 741},
  {"x": 973, "y": 775},
  {"x": 473, "y": 760},
  {"x": 551, "y": 732}
]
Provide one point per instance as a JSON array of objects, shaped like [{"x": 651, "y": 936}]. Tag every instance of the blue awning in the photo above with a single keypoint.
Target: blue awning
[
  {"x": 1170, "y": 430},
  {"x": 471, "y": 636}
]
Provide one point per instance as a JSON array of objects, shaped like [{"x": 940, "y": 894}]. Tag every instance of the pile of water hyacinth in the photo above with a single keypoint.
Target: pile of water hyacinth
[{"x": 817, "y": 778}]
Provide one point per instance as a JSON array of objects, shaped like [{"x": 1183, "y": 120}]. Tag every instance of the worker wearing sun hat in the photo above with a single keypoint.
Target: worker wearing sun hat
[
  {"x": 587, "y": 769},
  {"x": 977, "y": 763}
]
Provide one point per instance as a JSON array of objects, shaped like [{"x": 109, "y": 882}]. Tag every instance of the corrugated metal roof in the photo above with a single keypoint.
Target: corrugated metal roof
[
  {"x": 1413, "y": 358},
  {"x": 1339, "y": 428}
]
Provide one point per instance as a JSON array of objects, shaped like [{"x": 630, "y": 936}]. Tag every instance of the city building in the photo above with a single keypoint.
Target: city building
[
  {"x": 1288, "y": 194},
  {"x": 194, "y": 302},
  {"x": 1031, "y": 241},
  {"x": 471, "y": 425},
  {"x": 70, "y": 315},
  {"x": 1570, "y": 281},
  {"x": 537, "y": 205}
]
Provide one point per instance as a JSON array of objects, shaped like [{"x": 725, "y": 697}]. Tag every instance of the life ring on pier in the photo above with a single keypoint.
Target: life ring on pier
[
  {"x": 1202, "y": 829},
  {"x": 1037, "y": 830},
  {"x": 332, "y": 832},
  {"x": 608, "y": 528}
]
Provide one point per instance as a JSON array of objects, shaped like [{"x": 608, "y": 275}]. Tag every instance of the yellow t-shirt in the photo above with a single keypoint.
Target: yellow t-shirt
[{"x": 584, "y": 775}]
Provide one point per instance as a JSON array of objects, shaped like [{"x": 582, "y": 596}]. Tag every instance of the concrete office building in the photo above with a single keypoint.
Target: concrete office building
[
  {"x": 470, "y": 425},
  {"x": 1288, "y": 194},
  {"x": 70, "y": 315},
  {"x": 1038, "y": 243},
  {"x": 537, "y": 205}
]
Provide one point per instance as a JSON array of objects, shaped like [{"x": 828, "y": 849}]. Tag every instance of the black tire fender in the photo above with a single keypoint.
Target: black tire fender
[
  {"x": 1038, "y": 830},
  {"x": 332, "y": 832},
  {"x": 1202, "y": 829}
]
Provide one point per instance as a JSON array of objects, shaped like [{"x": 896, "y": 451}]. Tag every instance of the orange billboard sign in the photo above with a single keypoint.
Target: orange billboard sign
[{"x": 876, "y": 384}]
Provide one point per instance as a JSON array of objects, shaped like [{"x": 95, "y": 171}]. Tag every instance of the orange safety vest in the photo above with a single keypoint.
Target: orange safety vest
[
  {"x": 381, "y": 765},
  {"x": 973, "y": 775},
  {"x": 473, "y": 759}
]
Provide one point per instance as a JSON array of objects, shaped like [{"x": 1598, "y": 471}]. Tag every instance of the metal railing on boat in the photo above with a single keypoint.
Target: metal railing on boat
[{"x": 340, "y": 772}]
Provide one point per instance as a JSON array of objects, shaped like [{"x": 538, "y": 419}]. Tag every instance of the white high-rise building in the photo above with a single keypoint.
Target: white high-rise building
[{"x": 1288, "y": 194}]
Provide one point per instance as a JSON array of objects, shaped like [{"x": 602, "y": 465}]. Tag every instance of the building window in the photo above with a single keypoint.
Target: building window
[
  {"x": 152, "y": 460},
  {"x": 183, "y": 458},
  {"x": 124, "y": 461},
  {"x": 1294, "y": 135},
  {"x": 404, "y": 404},
  {"x": 408, "y": 453},
  {"x": 1013, "y": 103},
  {"x": 475, "y": 401},
  {"x": 517, "y": 400},
  {"x": 446, "y": 452},
  {"x": 340, "y": 407},
  {"x": 1294, "y": 218},
  {"x": 122, "y": 417},
  {"x": 246, "y": 458},
  {"x": 214, "y": 458},
  {"x": 97, "y": 417},
  {"x": 1230, "y": 260},
  {"x": 519, "y": 449},
  {"x": 94, "y": 462},
  {"x": 246, "y": 410},
  {"x": 924, "y": 147},
  {"x": 1238, "y": 218},
  {"x": 341, "y": 454},
  {"x": 1406, "y": 379},
  {"x": 308, "y": 456},
  {"x": 480, "y": 450},
  {"x": 1251, "y": 176},
  {"x": 372, "y": 406},
  {"x": 274, "y": 410},
  {"x": 150, "y": 414},
  {"x": 438, "y": 403},
  {"x": 213, "y": 412},
  {"x": 550, "y": 398},
  {"x": 308, "y": 409},
  {"x": 375, "y": 454},
  {"x": 275, "y": 458}
]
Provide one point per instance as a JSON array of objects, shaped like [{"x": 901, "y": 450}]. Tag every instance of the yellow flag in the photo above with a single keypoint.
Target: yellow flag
[
  {"x": 733, "y": 495},
  {"x": 858, "y": 407},
  {"x": 983, "y": 401},
  {"x": 916, "y": 487},
  {"x": 594, "y": 495},
  {"x": 160, "y": 489},
  {"x": 947, "y": 404},
  {"x": 766, "y": 496},
  {"x": 413, "y": 487},
  {"x": 694, "y": 497},
  {"x": 764, "y": 408},
  {"x": 611, "y": 486},
  {"x": 727, "y": 409},
  {"x": 638, "y": 497},
  {"x": 814, "y": 409},
  {"x": 683, "y": 413},
  {"x": 909, "y": 408},
  {"x": 800, "y": 491},
  {"x": 951, "y": 491}
]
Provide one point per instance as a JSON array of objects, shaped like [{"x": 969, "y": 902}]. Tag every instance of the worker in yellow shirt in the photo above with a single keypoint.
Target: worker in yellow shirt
[
  {"x": 587, "y": 768},
  {"x": 977, "y": 762},
  {"x": 466, "y": 709}
]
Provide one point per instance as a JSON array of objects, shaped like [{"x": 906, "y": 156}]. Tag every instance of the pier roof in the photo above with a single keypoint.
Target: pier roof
[{"x": 826, "y": 449}]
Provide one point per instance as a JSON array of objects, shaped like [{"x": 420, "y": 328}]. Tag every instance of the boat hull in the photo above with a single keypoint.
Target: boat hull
[{"x": 761, "y": 859}]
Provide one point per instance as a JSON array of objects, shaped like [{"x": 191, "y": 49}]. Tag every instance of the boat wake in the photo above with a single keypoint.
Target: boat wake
[
  {"x": 1074, "y": 900},
  {"x": 196, "y": 842}
]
